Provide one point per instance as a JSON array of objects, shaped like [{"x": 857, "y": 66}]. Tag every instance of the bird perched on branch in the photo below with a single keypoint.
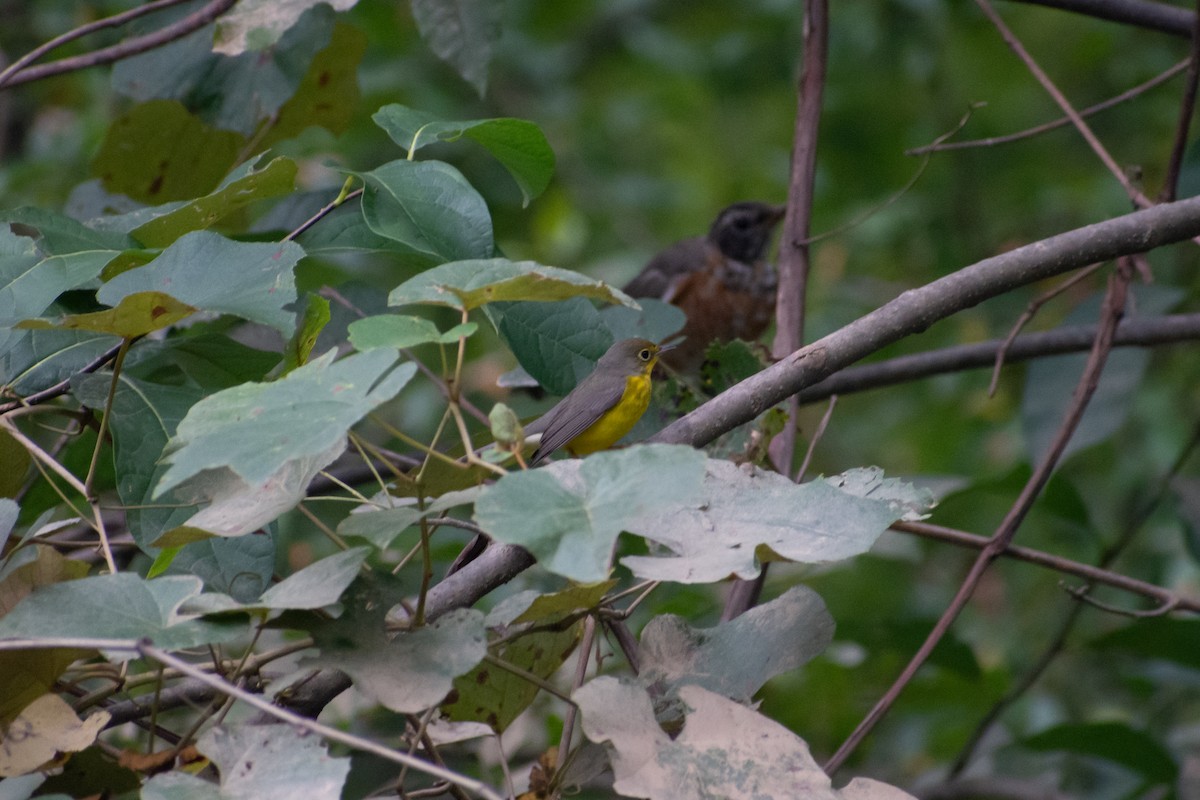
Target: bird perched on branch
[
  {"x": 604, "y": 406},
  {"x": 723, "y": 282}
]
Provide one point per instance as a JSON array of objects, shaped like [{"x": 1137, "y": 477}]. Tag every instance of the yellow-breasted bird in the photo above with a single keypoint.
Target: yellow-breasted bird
[
  {"x": 604, "y": 406},
  {"x": 723, "y": 282}
]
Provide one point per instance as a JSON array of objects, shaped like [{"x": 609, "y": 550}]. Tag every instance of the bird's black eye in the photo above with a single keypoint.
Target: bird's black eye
[{"x": 644, "y": 354}]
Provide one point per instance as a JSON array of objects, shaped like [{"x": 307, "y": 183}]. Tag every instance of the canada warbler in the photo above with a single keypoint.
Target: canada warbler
[{"x": 604, "y": 406}]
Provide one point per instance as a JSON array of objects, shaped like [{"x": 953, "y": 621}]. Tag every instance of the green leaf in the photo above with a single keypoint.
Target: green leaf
[
  {"x": 1175, "y": 640},
  {"x": 143, "y": 418},
  {"x": 300, "y": 346},
  {"x": 748, "y": 516},
  {"x": 245, "y": 186},
  {"x": 84, "y": 608},
  {"x": 517, "y": 144},
  {"x": 655, "y": 320},
  {"x": 462, "y": 33},
  {"x": 429, "y": 209},
  {"x": 724, "y": 750},
  {"x": 400, "y": 331},
  {"x": 158, "y": 151},
  {"x": 254, "y": 762},
  {"x": 44, "y": 358},
  {"x": 409, "y": 672},
  {"x": 258, "y": 24},
  {"x": 1112, "y": 741},
  {"x": 255, "y": 429},
  {"x": 207, "y": 271},
  {"x": 59, "y": 235},
  {"x": 318, "y": 585},
  {"x": 29, "y": 283},
  {"x": 329, "y": 95},
  {"x": 558, "y": 343},
  {"x": 240, "y": 567},
  {"x": 136, "y": 315},
  {"x": 380, "y": 527},
  {"x": 569, "y": 513},
  {"x": 737, "y": 657},
  {"x": 1050, "y": 381},
  {"x": 471, "y": 284}
]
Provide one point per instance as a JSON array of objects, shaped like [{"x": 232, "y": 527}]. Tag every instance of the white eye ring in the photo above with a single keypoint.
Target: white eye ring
[{"x": 645, "y": 354}]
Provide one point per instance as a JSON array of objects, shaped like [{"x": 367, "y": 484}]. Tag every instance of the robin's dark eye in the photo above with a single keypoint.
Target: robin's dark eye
[{"x": 645, "y": 354}]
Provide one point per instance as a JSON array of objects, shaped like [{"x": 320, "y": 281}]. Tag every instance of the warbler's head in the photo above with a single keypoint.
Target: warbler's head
[{"x": 630, "y": 357}]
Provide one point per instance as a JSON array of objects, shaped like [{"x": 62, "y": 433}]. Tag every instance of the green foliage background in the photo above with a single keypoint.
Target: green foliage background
[{"x": 658, "y": 115}]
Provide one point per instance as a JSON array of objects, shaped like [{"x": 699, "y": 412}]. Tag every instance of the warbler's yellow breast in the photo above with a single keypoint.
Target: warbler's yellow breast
[{"x": 618, "y": 420}]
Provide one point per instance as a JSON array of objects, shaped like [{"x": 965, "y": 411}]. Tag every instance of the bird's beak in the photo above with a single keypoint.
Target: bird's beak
[
  {"x": 777, "y": 213},
  {"x": 663, "y": 348}
]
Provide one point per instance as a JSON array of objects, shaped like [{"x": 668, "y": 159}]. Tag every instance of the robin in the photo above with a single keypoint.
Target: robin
[
  {"x": 723, "y": 282},
  {"x": 604, "y": 406}
]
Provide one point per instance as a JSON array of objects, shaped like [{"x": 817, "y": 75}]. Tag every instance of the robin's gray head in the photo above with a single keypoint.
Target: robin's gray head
[{"x": 742, "y": 231}]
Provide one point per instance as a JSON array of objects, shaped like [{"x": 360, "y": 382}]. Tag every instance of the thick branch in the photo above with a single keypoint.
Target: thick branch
[{"x": 917, "y": 309}]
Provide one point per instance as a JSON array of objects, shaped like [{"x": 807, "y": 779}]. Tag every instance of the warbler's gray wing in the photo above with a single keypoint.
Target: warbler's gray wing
[
  {"x": 573, "y": 414},
  {"x": 661, "y": 275}
]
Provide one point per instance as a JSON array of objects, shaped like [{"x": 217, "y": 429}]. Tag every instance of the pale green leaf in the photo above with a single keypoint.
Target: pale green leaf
[{"x": 401, "y": 331}]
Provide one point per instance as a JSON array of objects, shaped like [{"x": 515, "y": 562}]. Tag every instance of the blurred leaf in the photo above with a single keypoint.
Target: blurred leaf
[
  {"x": 253, "y": 428},
  {"x": 300, "y": 346},
  {"x": 724, "y": 750},
  {"x": 16, "y": 461},
  {"x": 558, "y": 343},
  {"x": 1113, "y": 741},
  {"x": 318, "y": 585},
  {"x": 258, "y": 24},
  {"x": 584, "y": 504},
  {"x": 157, "y": 151},
  {"x": 255, "y": 762},
  {"x": 429, "y": 208},
  {"x": 737, "y": 657},
  {"x": 29, "y": 283},
  {"x": 83, "y": 608},
  {"x": 728, "y": 363},
  {"x": 47, "y": 727},
  {"x": 505, "y": 426},
  {"x": 517, "y": 144},
  {"x": 747, "y": 516},
  {"x": 471, "y": 284},
  {"x": 381, "y": 526},
  {"x": 59, "y": 235},
  {"x": 655, "y": 320},
  {"x": 329, "y": 94},
  {"x": 27, "y": 674},
  {"x": 212, "y": 273},
  {"x": 461, "y": 33},
  {"x": 246, "y": 185},
  {"x": 143, "y": 418},
  {"x": 1050, "y": 381},
  {"x": 136, "y": 315},
  {"x": 400, "y": 331},
  {"x": 1176, "y": 640}
]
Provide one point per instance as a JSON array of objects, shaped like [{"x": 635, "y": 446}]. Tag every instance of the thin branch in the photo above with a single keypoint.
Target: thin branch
[
  {"x": 1142, "y": 13},
  {"x": 63, "y": 386},
  {"x": 938, "y": 145},
  {"x": 816, "y": 438},
  {"x": 1186, "y": 109},
  {"x": 130, "y": 47},
  {"x": 114, "y": 21},
  {"x": 153, "y": 653},
  {"x": 1135, "y": 332},
  {"x": 1057, "y": 563},
  {"x": 1114, "y": 306},
  {"x": 1027, "y": 316},
  {"x": 1086, "y": 132}
]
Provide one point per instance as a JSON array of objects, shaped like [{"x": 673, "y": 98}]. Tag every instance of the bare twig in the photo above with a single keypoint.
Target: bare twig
[
  {"x": 1028, "y": 314},
  {"x": 130, "y": 47},
  {"x": 816, "y": 437},
  {"x": 938, "y": 145},
  {"x": 149, "y": 651},
  {"x": 1186, "y": 109},
  {"x": 1113, "y": 308},
  {"x": 1142, "y": 13},
  {"x": 63, "y": 386}
]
